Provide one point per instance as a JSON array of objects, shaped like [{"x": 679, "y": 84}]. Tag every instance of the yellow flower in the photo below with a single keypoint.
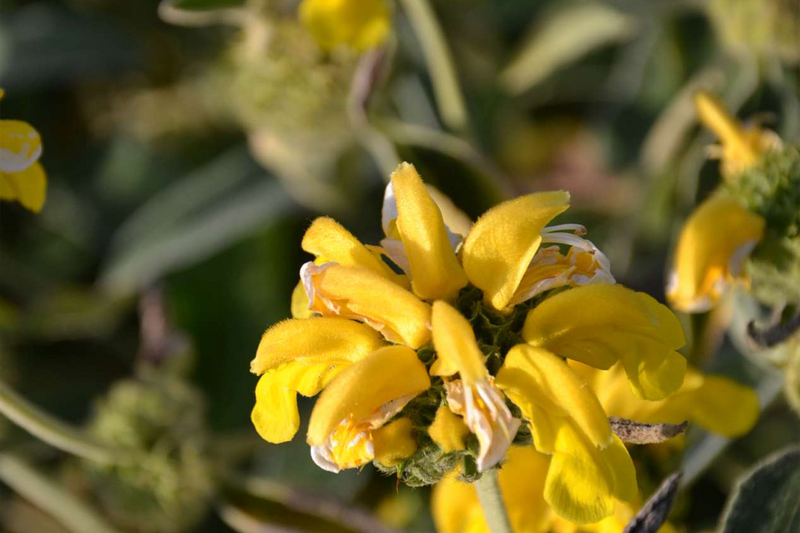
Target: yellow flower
[
  {"x": 715, "y": 403},
  {"x": 360, "y": 24},
  {"x": 741, "y": 146},
  {"x": 493, "y": 317},
  {"x": 456, "y": 509},
  {"x": 22, "y": 177},
  {"x": 712, "y": 247}
]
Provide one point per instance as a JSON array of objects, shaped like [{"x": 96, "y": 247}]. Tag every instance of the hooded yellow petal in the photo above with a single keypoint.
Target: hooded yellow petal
[
  {"x": 358, "y": 392},
  {"x": 275, "y": 415},
  {"x": 535, "y": 377},
  {"x": 712, "y": 246},
  {"x": 331, "y": 242},
  {"x": 333, "y": 341},
  {"x": 360, "y": 24},
  {"x": 456, "y": 346},
  {"x": 28, "y": 186},
  {"x": 358, "y": 293},
  {"x": 505, "y": 239},
  {"x": 20, "y": 146},
  {"x": 435, "y": 270},
  {"x": 601, "y": 324},
  {"x": 448, "y": 430},
  {"x": 583, "y": 481},
  {"x": 394, "y": 442}
]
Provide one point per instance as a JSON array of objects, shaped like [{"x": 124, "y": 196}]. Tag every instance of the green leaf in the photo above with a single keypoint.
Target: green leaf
[
  {"x": 565, "y": 34},
  {"x": 767, "y": 500},
  {"x": 199, "y": 216},
  {"x": 196, "y": 5}
]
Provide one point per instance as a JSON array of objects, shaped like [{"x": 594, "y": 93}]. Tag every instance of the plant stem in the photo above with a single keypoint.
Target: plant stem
[
  {"x": 40, "y": 490},
  {"x": 492, "y": 502},
  {"x": 49, "y": 429}
]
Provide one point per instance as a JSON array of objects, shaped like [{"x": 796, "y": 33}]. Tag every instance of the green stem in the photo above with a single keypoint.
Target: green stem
[
  {"x": 49, "y": 429},
  {"x": 492, "y": 502},
  {"x": 45, "y": 494},
  {"x": 441, "y": 68}
]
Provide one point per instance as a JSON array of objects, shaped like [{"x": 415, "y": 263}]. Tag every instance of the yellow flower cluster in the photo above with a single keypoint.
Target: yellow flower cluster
[
  {"x": 365, "y": 315},
  {"x": 22, "y": 177},
  {"x": 721, "y": 233},
  {"x": 359, "y": 24}
]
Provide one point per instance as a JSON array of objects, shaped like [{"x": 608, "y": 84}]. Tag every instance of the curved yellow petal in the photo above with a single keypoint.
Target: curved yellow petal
[
  {"x": 583, "y": 481},
  {"x": 316, "y": 340},
  {"x": 275, "y": 415},
  {"x": 448, "y": 430},
  {"x": 394, "y": 442},
  {"x": 723, "y": 406},
  {"x": 454, "y": 218},
  {"x": 435, "y": 270},
  {"x": 331, "y": 242},
  {"x": 712, "y": 246},
  {"x": 522, "y": 481},
  {"x": 504, "y": 240},
  {"x": 455, "y": 345},
  {"x": 535, "y": 377},
  {"x": 20, "y": 146},
  {"x": 362, "y": 389},
  {"x": 601, "y": 324},
  {"x": 358, "y": 293},
  {"x": 360, "y": 24},
  {"x": 28, "y": 186}
]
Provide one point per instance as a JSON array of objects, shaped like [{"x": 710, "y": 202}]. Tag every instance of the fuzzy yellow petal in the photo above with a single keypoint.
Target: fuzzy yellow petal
[
  {"x": 28, "y": 186},
  {"x": 363, "y": 295},
  {"x": 448, "y": 430},
  {"x": 534, "y": 376},
  {"x": 583, "y": 481},
  {"x": 455, "y": 344},
  {"x": 504, "y": 240},
  {"x": 362, "y": 389},
  {"x": 331, "y": 242},
  {"x": 435, "y": 270},
  {"x": 394, "y": 442},
  {"x": 275, "y": 415},
  {"x": 712, "y": 246},
  {"x": 327, "y": 340},
  {"x": 360, "y": 24},
  {"x": 601, "y": 324},
  {"x": 20, "y": 146}
]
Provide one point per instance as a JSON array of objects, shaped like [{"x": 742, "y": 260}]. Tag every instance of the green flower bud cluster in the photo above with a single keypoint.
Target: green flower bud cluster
[
  {"x": 772, "y": 189},
  {"x": 166, "y": 485}
]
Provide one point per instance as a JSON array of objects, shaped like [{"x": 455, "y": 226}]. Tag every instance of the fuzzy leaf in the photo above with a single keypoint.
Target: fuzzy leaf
[{"x": 767, "y": 500}]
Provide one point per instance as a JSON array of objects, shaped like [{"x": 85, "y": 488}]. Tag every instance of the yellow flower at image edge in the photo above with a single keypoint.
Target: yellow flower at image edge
[
  {"x": 360, "y": 24},
  {"x": 368, "y": 335},
  {"x": 22, "y": 177}
]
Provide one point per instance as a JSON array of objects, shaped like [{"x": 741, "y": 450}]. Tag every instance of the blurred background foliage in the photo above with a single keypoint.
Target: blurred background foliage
[{"x": 188, "y": 146}]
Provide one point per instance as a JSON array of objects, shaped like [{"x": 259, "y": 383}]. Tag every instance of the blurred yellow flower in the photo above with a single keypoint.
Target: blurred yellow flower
[
  {"x": 22, "y": 177},
  {"x": 359, "y": 24},
  {"x": 721, "y": 233},
  {"x": 713, "y": 245},
  {"x": 429, "y": 289}
]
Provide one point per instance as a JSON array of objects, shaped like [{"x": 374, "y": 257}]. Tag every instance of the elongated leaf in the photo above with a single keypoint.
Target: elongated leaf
[
  {"x": 767, "y": 500},
  {"x": 192, "y": 220},
  {"x": 563, "y": 36}
]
